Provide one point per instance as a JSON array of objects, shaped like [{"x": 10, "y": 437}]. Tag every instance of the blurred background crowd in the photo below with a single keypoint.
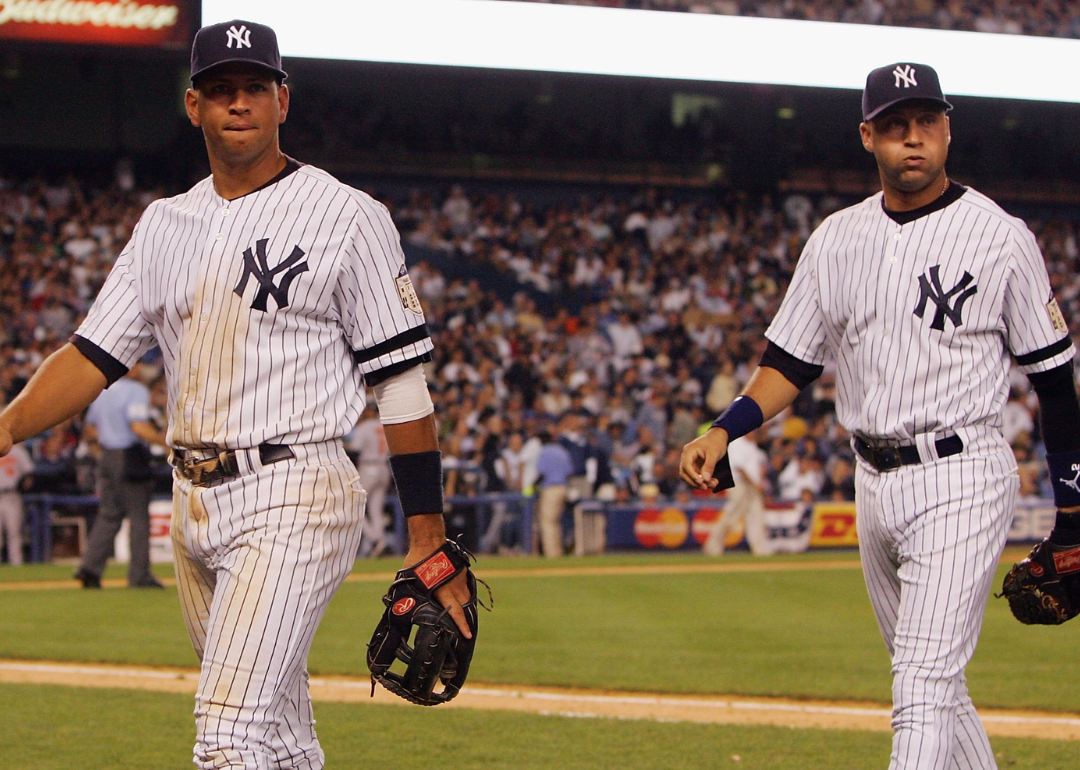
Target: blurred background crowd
[
  {"x": 621, "y": 321},
  {"x": 598, "y": 256},
  {"x": 1047, "y": 18}
]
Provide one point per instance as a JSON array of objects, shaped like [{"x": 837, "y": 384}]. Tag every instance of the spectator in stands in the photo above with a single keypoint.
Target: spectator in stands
[
  {"x": 368, "y": 441},
  {"x": 511, "y": 348},
  {"x": 1029, "y": 469},
  {"x": 1016, "y": 416},
  {"x": 839, "y": 485},
  {"x": 625, "y": 340},
  {"x": 1050, "y": 19},
  {"x": 15, "y": 467},
  {"x": 802, "y": 473}
]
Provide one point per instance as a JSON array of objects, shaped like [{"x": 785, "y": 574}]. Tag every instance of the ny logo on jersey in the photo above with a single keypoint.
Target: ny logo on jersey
[
  {"x": 1074, "y": 482},
  {"x": 256, "y": 265},
  {"x": 905, "y": 76},
  {"x": 930, "y": 289},
  {"x": 242, "y": 36}
]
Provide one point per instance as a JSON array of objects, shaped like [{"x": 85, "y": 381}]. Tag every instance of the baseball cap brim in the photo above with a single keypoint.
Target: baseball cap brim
[
  {"x": 280, "y": 74},
  {"x": 889, "y": 105}
]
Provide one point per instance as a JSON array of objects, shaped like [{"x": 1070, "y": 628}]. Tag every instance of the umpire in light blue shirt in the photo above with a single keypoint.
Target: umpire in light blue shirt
[{"x": 119, "y": 419}]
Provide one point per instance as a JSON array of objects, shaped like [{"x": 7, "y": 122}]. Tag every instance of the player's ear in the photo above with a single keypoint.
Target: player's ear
[
  {"x": 283, "y": 102},
  {"x": 948, "y": 131},
  {"x": 191, "y": 105},
  {"x": 867, "y": 136}
]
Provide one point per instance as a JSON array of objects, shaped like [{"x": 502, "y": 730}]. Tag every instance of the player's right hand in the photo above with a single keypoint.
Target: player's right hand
[{"x": 700, "y": 456}]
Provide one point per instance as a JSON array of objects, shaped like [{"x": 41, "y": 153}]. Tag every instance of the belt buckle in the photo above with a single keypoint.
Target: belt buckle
[
  {"x": 886, "y": 458},
  {"x": 198, "y": 471},
  {"x": 201, "y": 472}
]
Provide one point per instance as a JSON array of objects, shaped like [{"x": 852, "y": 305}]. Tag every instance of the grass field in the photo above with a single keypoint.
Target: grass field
[{"x": 789, "y": 632}]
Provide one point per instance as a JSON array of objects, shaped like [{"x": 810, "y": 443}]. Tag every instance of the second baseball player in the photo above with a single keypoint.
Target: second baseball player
[{"x": 921, "y": 293}]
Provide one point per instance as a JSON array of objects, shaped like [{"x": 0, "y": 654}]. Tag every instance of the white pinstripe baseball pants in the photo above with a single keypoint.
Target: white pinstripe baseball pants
[
  {"x": 930, "y": 538},
  {"x": 257, "y": 561}
]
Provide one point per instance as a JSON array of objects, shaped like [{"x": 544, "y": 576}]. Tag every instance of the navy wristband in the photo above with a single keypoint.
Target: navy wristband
[
  {"x": 743, "y": 416},
  {"x": 1065, "y": 477},
  {"x": 418, "y": 477}
]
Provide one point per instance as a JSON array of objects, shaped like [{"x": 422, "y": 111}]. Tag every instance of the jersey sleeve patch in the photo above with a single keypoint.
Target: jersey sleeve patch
[
  {"x": 1056, "y": 318},
  {"x": 409, "y": 300}
]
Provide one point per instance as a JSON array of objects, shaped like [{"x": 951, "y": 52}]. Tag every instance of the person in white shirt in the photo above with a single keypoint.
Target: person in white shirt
[
  {"x": 14, "y": 467},
  {"x": 745, "y": 501},
  {"x": 368, "y": 440}
]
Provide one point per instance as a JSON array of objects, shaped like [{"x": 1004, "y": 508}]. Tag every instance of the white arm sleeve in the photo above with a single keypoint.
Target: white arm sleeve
[{"x": 404, "y": 397}]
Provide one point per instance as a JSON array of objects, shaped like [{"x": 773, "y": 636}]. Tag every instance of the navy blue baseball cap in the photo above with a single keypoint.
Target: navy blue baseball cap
[
  {"x": 897, "y": 83},
  {"x": 235, "y": 41}
]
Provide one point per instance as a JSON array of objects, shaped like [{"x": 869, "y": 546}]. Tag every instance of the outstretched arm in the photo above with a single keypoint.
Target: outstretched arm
[
  {"x": 66, "y": 383},
  {"x": 771, "y": 391}
]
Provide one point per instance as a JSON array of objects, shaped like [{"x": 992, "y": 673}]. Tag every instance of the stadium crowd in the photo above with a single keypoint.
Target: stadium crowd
[
  {"x": 616, "y": 324},
  {"x": 1045, "y": 18}
]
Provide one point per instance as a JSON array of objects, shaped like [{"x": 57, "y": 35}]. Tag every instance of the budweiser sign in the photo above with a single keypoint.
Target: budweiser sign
[{"x": 108, "y": 22}]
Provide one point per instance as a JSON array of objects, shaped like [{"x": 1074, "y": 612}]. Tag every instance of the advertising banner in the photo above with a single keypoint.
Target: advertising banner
[
  {"x": 146, "y": 23},
  {"x": 834, "y": 526},
  {"x": 687, "y": 527}
]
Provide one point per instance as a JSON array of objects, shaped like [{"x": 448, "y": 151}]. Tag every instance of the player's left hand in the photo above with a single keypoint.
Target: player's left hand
[
  {"x": 427, "y": 594},
  {"x": 1044, "y": 588},
  {"x": 453, "y": 596}
]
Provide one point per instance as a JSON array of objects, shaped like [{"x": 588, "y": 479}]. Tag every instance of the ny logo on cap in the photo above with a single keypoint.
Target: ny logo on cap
[
  {"x": 255, "y": 264},
  {"x": 905, "y": 75},
  {"x": 242, "y": 36}
]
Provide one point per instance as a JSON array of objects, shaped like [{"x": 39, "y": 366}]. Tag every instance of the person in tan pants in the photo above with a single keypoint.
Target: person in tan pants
[{"x": 554, "y": 468}]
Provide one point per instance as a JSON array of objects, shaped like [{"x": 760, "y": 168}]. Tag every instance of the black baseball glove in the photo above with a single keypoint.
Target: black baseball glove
[
  {"x": 439, "y": 651},
  {"x": 1044, "y": 588}
]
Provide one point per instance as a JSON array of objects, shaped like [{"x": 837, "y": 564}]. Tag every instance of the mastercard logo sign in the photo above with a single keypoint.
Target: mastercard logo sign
[
  {"x": 668, "y": 527},
  {"x": 704, "y": 521}
]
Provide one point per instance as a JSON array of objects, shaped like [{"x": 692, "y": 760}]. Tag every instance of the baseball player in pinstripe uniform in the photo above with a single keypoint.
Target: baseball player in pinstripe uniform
[
  {"x": 275, "y": 293},
  {"x": 922, "y": 293}
]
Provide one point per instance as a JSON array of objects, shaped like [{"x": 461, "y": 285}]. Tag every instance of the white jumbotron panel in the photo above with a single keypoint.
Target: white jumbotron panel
[{"x": 687, "y": 46}]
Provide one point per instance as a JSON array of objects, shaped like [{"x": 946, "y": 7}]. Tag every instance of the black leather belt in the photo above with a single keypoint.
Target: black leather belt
[
  {"x": 203, "y": 471},
  {"x": 889, "y": 458}
]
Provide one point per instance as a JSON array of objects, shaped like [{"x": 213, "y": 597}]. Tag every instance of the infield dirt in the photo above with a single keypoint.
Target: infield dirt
[{"x": 563, "y": 701}]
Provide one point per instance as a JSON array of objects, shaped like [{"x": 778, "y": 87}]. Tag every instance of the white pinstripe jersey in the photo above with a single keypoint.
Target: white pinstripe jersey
[
  {"x": 922, "y": 313},
  {"x": 269, "y": 309}
]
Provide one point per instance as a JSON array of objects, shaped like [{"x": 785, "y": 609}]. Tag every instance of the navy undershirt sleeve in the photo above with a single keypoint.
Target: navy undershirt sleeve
[{"x": 796, "y": 371}]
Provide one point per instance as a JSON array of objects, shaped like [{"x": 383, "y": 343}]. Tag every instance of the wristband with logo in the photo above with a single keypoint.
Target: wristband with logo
[{"x": 1065, "y": 477}]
